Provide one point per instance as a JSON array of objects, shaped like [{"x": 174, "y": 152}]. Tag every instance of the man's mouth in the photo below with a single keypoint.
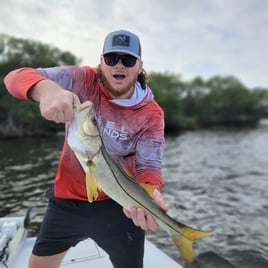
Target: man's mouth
[{"x": 119, "y": 76}]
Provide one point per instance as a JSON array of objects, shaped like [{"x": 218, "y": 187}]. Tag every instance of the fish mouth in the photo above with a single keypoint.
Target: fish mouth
[{"x": 79, "y": 108}]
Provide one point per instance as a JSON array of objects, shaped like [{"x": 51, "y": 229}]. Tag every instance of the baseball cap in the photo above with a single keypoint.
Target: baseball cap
[{"x": 122, "y": 41}]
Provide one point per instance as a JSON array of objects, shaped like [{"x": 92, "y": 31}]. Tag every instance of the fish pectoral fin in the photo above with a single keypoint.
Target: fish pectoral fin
[
  {"x": 92, "y": 186},
  {"x": 184, "y": 241},
  {"x": 148, "y": 187}
]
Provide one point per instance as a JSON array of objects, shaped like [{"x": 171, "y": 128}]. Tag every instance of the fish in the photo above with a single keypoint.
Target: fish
[
  {"x": 84, "y": 139},
  {"x": 104, "y": 173}
]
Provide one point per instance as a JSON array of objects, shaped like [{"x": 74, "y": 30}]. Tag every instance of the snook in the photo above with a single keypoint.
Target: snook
[{"x": 121, "y": 187}]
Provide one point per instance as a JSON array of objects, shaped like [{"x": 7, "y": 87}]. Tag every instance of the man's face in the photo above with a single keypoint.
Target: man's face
[{"x": 118, "y": 74}]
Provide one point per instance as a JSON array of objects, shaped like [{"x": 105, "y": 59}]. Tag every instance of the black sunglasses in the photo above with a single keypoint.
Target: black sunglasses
[{"x": 112, "y": 59}]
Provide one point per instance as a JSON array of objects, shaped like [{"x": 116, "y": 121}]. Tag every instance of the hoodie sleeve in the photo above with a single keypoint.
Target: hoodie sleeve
[
  {"x": 149, "y": 149},
  {"x": 152, "y": 177},
  {"x": 20, "y": 81},
  {"x": 148, "y": 163}
]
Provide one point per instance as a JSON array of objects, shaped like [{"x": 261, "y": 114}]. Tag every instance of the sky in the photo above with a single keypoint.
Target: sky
[{"x": 186, "y": 37}]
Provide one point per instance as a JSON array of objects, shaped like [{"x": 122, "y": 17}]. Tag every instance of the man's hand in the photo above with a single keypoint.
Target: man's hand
[
  {"x": 146, "y": 221},
  {"x": 56, "y": 103}
]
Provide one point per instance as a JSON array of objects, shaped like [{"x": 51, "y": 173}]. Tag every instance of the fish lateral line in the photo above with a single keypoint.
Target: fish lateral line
[{"x": 180, "y": 225}]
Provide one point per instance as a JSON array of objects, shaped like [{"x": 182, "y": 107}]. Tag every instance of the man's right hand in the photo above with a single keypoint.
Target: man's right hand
[{"x": 56, "y": 103}]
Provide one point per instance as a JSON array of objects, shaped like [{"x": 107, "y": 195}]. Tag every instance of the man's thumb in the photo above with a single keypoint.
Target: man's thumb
[{"x": 76, "y": 100}]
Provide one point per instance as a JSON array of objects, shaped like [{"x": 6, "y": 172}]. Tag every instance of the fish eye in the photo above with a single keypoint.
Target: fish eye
[{"x": 94, "y": 121}]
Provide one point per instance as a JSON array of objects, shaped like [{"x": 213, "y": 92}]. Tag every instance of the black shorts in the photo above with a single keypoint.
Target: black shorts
[{"x": 67, "y": 222}]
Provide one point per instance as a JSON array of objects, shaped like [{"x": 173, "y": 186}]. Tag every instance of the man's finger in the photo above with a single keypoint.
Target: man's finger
[
  {"x": 76, "y": 99},
  {"x": 127, "y": 213},
  {"x": 158, "y": 199},
  {"x": 152, "y": 225}
]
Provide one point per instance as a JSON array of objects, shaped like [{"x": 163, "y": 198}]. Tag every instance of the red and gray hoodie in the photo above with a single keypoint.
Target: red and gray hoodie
[{"x": 132, "y": 130}]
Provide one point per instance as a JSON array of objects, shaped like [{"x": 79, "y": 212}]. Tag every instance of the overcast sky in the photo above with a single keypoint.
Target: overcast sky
[{"x": 187, "y": 37}]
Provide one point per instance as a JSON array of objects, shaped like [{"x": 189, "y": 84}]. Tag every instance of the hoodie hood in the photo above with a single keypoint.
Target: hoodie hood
[{"x": 139, "y": 98}]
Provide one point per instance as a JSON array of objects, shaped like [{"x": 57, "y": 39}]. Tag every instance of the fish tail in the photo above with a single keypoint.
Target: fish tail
[
  {"x": 92, "y": 187},
  {"x": 184, "y": 241}
]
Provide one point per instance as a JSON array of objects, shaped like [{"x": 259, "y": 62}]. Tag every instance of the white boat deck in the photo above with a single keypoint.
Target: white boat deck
[
  {"x": 87, "y": 254},
  {"x": 15, "y": 249}
]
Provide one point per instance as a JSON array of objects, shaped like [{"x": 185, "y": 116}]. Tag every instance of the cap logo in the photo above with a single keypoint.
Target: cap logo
[{"x": 121, "y": 40}]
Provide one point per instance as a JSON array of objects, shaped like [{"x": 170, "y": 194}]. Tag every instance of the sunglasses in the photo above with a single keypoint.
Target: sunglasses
[{"x": 127, "y": 60}]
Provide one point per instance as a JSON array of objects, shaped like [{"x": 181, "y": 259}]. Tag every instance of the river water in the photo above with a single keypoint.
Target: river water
[{"x": 214, "y": 180}]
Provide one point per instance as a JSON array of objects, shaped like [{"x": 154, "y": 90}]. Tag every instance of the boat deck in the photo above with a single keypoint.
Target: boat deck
[
  {"x": 16, "y": 247},
  {"x": 87, "y": 254}
]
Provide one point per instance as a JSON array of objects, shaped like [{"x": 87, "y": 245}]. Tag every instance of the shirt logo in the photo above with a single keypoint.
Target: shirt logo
[
  {"x": 110, "y": 130},
  {"x": 121, "y": 40}
]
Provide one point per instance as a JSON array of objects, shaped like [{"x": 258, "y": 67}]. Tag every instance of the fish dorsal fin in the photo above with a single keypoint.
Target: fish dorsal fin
[{"x": 148, "y": 187}]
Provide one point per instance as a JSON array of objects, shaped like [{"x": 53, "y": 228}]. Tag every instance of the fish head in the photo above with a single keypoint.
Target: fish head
[
  {"x": 83, "y": 133},
  {"x": 89, "y": 126}
]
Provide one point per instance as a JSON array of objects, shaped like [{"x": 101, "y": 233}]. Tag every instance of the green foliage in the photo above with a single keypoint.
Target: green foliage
[
  {"x": 166, "y": 88},
  {"x": 16, "y": 53},
  {"x": 228, "y": 102},
  {"x": 199, "y": 103},
  {"x": 17, "y": 116}
]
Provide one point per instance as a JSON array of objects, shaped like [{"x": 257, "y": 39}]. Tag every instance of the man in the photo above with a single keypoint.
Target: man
[{"x": 124, "y": 105}]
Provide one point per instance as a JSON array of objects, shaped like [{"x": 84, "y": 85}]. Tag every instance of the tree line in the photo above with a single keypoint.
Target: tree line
[{"x": 218, "y": 101}]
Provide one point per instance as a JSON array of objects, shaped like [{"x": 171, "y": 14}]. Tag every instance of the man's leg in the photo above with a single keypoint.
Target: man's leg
[
  {"x": 120, "y": 238},
  {"x": 53, "y": 261}
]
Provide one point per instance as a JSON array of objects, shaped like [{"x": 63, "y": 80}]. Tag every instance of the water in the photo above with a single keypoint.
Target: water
[{"x": 214, "y": 180}]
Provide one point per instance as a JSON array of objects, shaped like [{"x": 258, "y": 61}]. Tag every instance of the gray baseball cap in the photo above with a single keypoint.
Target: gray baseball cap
[{"x": 122, "y": 41}]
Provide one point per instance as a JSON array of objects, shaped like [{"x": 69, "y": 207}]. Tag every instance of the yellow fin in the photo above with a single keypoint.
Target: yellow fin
[
  {"x": 92, "y": 186},
  {"x": 184, "y": 241},
  {"x": 148, "y": 187}
]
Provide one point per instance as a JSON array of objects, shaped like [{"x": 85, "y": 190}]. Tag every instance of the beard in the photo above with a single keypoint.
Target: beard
[{"x": 118, "y": 92}]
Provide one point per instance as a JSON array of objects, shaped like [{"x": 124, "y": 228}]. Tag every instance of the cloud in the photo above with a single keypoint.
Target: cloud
[{"x": 192, "y": 38}]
